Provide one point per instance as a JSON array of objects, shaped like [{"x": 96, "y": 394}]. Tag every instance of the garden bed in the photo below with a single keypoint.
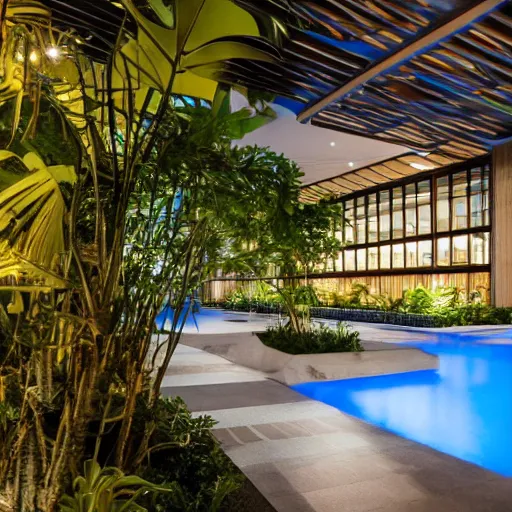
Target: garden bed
[{"x": 374, "y": 316}]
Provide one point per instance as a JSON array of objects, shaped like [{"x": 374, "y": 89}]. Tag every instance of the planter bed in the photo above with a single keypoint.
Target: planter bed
[
  {"x": 374, "y": 316},
  {"x": 378, "y": 358}
]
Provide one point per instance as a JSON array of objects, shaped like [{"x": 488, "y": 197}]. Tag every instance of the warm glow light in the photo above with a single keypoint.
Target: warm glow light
[
  {"x": 421, "y": 167},
  {"x": 333, "y": 144},
  {"x": 53, "y": 52},
  {"x": 33, "y": 56},
  {"x": 351, "y": 164}
]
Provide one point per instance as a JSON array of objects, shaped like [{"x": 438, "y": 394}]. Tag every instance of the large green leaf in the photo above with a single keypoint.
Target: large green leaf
[
  {"x": 193, "y": 43},
  {"x": 32, "y": 212}
]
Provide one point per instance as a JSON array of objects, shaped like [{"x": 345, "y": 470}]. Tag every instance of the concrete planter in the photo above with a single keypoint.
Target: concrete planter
[{"x": 378, "y": 359}]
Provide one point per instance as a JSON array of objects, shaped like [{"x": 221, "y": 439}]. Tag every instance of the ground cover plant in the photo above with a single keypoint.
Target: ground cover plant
[{"x": 316, "y": 340}]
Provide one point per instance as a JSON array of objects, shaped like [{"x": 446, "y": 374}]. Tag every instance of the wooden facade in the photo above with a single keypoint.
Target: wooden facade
[
  {"x": 501, "y": 238},
  {"x": 392, "y": 285}
]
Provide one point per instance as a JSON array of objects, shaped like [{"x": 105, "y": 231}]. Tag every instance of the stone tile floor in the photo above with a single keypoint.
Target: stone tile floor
[{"x": 305, "y": 456}]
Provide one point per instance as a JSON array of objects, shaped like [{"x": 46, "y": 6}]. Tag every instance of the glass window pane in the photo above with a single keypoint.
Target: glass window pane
[
  {"x": 398, "y": 256},
  {"x": 485, "y": 199},
  {"x": 411, "y": 254},
  {"x": 478, "y": 248},
  {"x": 338, "y": 262},
  {"x": 477, "y": 217},
  {"x": 398, "y": 208},
  {"x": 384, "y": 216},
  {"x": 460, "y": 255},
  {"x": 443, "y": 252},
  {"x": 410, "y": 210},
  {"x": 443, "y": 204},
  {"x": 424, "y": 208},
  {"x": 385, "y": 257},
  {"x": 373, "y": 234},
  {"x": 361, "y": 260},
  {"x": 361, "y": 221},
  {"x": 349, "y": 222},
  {"x": 425, "y": 253},
  {"x": 350, "y": 260},
  {"x": 459, "y": 201},
  {"x": 373, "y": 258}
]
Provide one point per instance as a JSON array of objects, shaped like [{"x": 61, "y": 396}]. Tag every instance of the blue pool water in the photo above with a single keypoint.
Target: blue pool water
[{"x": 464, "y": 409}]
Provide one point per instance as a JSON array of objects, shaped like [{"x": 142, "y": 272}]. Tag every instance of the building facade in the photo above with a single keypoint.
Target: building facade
[{"x": 431, "y": 229}]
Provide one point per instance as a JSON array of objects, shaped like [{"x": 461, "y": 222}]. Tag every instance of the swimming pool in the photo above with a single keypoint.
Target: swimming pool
[{"x": 464, "y": 409}]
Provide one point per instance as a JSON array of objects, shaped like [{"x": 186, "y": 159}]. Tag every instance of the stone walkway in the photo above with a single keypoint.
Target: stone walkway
[{"x": 305, "y": 456}]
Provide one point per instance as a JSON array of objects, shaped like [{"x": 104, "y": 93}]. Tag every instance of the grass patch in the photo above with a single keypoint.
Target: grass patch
[{"x": 317, "y": 340}]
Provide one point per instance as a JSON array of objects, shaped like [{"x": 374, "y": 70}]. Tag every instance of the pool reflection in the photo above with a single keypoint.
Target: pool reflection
[{"x": 464, "y": 409}]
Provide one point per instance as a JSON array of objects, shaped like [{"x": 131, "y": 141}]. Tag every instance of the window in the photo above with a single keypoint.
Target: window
[
  {"x": 459, "y": 201},
  {"x": 443, "y": 252},
  {"x": 410, "y": 210},
  {"x": 443, "y": 204},
  {"x": 361, "y": 260},
  {"x": 349, "y": 222},
  {"x": 373, "y": 258},
  {"x": 385, "y": 257},
  {"x": 460, "y": 255},
  {"x": 424, "y": 208},
  {"x": 350, "y": 261},
  {"x": 425, "y": 253},
  {"x": 398, "y": 213},
  {"x": 384, "y": 216},
  {"x": 373, "y": 233},
  {"x": 411, "y": 255},
  {"x": 361, "y": 221},
  {"x": 398, "y": 256}
]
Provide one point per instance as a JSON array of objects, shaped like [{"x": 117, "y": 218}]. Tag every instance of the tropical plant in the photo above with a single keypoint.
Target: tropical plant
[
  {"x": 183, "y": 453},
  {"x": 317, "y": 340},
  {"x": 89, "y": 253},
  {"x": 107, "y": 490}
]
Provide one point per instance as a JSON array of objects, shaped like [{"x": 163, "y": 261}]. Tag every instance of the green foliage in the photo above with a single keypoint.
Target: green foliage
[
  {"x": 448, "y": 306},
  {"x": 317, "y": 340},
  {"x": 184, "y": 454},
  {"x": 107, "y": 490}
]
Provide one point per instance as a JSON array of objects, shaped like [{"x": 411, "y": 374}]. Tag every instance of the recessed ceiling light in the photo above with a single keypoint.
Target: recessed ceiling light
[
  {"x": 333, "y": 144},
  {"x": 421, "y": 167},
  {"x": 351, "y": 164}
]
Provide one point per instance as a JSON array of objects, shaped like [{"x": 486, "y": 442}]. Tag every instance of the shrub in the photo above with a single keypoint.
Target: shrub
[
  {"x": 184, "y": 454},
  {"x": 317, "y": 340}
]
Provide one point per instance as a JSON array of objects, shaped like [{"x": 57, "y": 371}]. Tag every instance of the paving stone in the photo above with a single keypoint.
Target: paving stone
[
  {"x": 292, "y": 429},
  {"x": 274, "y": 451},
  {"x": 274, "y": 413},
  {"x": 270, "y": 431},
  {"x": 245, "y": 434},
  {"x": 234, "y": 395},
  {"x": 316, "y": 427},
  {"x": 225, "y": 437}
]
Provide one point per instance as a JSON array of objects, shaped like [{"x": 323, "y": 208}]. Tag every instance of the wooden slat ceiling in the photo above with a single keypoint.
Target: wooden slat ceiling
[
  {"x": 372, "y": 175},
  {"x": 331, "y": 41},
  {"x": 452, "y": 99}
]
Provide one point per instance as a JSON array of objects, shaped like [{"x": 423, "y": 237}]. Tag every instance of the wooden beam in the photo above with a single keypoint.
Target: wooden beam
[{"x": 418, "y": 46}]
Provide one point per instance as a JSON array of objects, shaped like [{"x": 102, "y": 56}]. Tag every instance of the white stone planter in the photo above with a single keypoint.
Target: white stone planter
[{"x": 378, "y": 359}]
